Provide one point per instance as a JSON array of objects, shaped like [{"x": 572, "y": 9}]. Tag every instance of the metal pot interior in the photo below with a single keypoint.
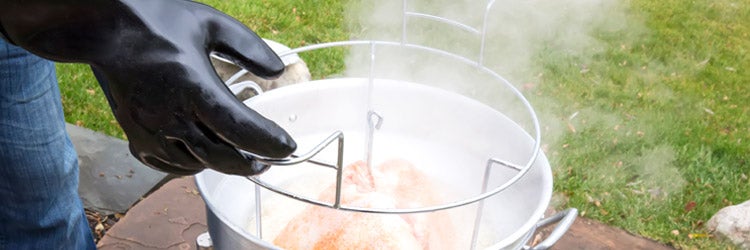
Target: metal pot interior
[{"x": 447, "y": 136}]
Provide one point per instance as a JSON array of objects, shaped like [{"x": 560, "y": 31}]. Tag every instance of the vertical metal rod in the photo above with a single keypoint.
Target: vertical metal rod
[
  {"x": 371, "y": 76},
  {"x": 480, "y": 206},
  {"x": 403, "y": 24},
  {"x": 370, "y": 130},
  {"x": 374, "y": 121},
  {"x": 480, "y": 62},
  {"x": 339, "y": 171},
  {"x": 258, "y": 208}
]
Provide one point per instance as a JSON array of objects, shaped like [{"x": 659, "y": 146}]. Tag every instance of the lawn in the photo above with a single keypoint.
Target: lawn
[
  {"x": 657, "y": 136},
  {"x": 647, "y": 129}
]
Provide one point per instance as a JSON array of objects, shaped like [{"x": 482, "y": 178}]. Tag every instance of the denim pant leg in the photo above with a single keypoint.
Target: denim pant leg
[{"x": 39, "y": 203}]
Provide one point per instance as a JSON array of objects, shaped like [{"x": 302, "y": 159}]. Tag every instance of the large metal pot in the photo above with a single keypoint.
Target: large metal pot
[{"x": 449, "y": 136}]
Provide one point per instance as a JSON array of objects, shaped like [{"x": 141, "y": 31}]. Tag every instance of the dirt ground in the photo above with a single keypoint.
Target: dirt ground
[{"x": 100, "y": 223}]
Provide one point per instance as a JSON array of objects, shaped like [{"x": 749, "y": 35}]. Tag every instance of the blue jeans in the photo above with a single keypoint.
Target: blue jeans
[{"x": 39, "y": 203}]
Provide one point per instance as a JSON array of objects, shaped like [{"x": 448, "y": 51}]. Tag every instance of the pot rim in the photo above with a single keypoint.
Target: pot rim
[{"x": 529, "y": 226}]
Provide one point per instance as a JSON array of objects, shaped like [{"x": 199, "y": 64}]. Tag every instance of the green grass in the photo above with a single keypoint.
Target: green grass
[
  {"x": 295, "y": 23},
  {"x": 84, "y": 103},
  {"x": 661, "y": 137},
  {"x": 661, "y": 133}
]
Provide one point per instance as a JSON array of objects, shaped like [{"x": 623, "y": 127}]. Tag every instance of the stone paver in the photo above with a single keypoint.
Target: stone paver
[
  {"x": 173, "y": 216},
  {"x": 111, "y": 179},
  {"x": 170, "y": 218},
  {"x": 586, "y": 234}
]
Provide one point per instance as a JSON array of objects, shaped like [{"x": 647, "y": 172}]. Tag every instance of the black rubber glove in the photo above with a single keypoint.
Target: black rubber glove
[{"x": 151, "y": 58}]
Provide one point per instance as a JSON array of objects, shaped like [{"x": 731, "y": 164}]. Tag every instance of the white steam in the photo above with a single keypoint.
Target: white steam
[{"x": 517, "y": 34}]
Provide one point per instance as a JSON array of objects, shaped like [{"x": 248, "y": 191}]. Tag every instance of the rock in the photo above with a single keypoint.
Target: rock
[
  {"x": 733, "y": 223},
  {"x": 111, "y": 179},
  {"x": 296, "y": 71}
]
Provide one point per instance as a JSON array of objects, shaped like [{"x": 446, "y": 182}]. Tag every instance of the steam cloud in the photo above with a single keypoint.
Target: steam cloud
[{"x": 518, "y": 32}]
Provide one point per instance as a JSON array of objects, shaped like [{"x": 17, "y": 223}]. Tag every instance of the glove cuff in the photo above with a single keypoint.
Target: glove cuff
[{"x": 4, "y": 35}]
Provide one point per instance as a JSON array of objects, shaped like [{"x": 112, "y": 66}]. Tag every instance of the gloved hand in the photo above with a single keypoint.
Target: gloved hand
[{"x": 151, "y": 58}]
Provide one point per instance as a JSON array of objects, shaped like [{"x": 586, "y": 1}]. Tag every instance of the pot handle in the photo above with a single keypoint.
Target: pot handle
[{"x": 563, "y": 219}]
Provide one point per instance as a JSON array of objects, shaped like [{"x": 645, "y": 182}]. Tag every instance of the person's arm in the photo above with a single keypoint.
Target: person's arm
[{"x": 151, "y": 58}]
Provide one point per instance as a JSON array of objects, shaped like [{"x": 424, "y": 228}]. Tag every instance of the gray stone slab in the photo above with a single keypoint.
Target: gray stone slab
[{"x": 111, "y": 179}]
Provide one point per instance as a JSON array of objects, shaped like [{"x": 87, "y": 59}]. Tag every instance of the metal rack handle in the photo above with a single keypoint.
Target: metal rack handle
[{"x": 563, "y": 219}]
